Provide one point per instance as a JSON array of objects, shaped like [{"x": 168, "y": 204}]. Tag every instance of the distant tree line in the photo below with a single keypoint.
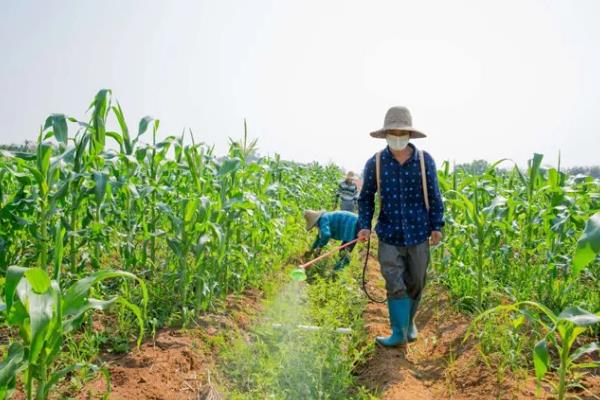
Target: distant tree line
[
  {"x": 590, "y": 171},
  {"x": 478, "y": 167},
  {"x": 26, "y": 146},
  {"x": 475, "y": 167}
]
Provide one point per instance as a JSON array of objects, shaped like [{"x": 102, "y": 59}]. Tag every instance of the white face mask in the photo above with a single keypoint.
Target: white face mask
[{"x": 397, "y": 142}]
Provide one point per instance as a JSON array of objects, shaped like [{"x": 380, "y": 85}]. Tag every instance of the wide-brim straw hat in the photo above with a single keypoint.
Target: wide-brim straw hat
[
  {"x": 398, "y": 120},
  {"x": 312, "y": 217}
]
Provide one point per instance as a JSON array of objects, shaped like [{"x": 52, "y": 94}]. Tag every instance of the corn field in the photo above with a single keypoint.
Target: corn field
[
  {"x": 89, "y": 200},
  {"x": 100, "y": 214},
  {"x": 512, "y": 235},
  {"x": 525, "y": 243}
]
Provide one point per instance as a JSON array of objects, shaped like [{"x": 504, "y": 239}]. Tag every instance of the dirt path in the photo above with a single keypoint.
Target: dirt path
[
  {"x": 438, "y": 365},
  {"x": 177, "y": 364}
]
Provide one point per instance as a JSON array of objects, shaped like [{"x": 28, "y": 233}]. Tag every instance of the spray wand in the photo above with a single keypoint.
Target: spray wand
[{"x": 299, "y": 274}]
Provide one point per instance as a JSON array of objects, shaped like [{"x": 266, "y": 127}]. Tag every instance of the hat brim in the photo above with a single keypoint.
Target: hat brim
[
  {"x": 309, "y": 226},
  {"x": 414, "y": 134}
]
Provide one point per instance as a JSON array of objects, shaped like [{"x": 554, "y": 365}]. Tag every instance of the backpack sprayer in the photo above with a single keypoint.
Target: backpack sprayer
[{"x": 299, "y": 274}]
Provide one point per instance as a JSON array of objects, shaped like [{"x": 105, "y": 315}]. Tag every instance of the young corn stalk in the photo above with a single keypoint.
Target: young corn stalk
[
  {"x": 563, "y": 330},
  {"x": 44, "y": 313}
]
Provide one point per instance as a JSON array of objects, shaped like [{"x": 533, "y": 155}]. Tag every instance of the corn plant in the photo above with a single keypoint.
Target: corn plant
[
  {"x": 562, "y": 331},
  {"x": 105, "y": 207},
  {"x": 588, "y": 245},
  {"x": 44, "y": 313},
  {"x": 509, "y": 234}
]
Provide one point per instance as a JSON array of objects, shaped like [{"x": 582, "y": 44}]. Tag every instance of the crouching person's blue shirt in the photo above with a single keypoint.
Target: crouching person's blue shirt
[
  {"x": 338, "y": 225},
  {"x": 403, "y": 218}
]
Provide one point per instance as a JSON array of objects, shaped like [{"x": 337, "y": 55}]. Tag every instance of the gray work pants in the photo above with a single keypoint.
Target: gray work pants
[
  {"x": 348, "y": 205},
  {"x": 404, "y": 269}
]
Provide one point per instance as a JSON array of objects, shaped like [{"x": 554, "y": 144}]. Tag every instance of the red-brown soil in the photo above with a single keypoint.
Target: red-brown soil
[
  {"x": 171, "y": 367},
  {"x": 439, "y": 365},
  {"x": 177, "y": 364}
]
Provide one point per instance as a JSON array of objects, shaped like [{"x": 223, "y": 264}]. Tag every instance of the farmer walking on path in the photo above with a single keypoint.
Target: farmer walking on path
[
  {"x": 347, "y": 193},
  {"x": 411, "y": 218},
  {"x": 337, "y": 225}
]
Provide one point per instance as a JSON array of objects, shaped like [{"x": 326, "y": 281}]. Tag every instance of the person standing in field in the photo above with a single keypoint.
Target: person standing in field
[
  {"x": 336, "y": 225},
  {"x": 347, "y": 193},
  {"x": 411, "y": 219}
]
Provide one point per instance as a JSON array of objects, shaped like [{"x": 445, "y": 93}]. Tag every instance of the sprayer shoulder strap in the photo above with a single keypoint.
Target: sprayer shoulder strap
[
  {"x": 378, "y": 173},
  {"x": 424, "y": 179},
  {"x": 423, "y": 176}
]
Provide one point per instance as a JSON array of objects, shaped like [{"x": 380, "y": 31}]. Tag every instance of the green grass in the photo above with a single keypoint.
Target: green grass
[{"x": 284, "y": 362}]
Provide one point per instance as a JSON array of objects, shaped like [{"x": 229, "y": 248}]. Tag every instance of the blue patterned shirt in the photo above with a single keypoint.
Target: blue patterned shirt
[
  {"x": 403, "y": 219},
  {"x": 338, "y": 225}
]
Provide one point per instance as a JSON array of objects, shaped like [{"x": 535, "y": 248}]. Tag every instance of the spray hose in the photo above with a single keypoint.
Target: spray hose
[{"x": 364, "y": 275}]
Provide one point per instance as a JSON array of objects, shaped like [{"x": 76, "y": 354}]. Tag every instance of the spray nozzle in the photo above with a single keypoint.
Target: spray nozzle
[{"x": 298, "y": 274}]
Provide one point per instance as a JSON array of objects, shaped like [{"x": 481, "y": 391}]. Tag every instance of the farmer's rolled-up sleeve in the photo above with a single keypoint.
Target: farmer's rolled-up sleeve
[
  {"x": 324, "y": 232},
  {"x": 366, "y": 199}
]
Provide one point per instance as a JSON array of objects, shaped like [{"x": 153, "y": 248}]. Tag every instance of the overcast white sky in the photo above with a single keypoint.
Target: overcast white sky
[{"x": 484, "y": 79}]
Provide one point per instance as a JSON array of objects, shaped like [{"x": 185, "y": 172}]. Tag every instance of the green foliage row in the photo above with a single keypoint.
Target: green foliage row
[
  {"x": 531, "y": 239},
  {"x": 92, "y": 197},
  {"x": 43, "y": 314},
  {"x": 195, "y": 225},
  {"x": 513, "y": 235}
]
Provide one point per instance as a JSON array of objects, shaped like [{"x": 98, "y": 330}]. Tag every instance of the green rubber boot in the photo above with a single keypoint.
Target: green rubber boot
[
  {"x": 412, "y": 327},
  {"x": 399, "y": 319}
]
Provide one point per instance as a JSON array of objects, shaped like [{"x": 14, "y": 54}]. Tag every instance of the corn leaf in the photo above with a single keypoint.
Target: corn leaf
[
  {"x": 14, "y": 360},
  {"x": 58, "y": 123},
  {"x": 588, "y": 245},
  {"x": 138, "y": 314},
  {"x": 77, "y": 295},
  {"x": 541, "y": 360},
  {"x": 44, "y": 152},
  {"x": 101, "y": 179},
  {"x": 143, "y": 125},
  {"x": 118, "y": 111},
  {"x": 229, "y": 166},
  {"x": 13, "y": 276},
  {"x": 38, "y": 279},
  {"x": 534, "y": 169},
  {"x": 586, "y": 349},
  {"x": 41, "y": 309},
  {"x": 59, "y": 235},
  {"x": 591, "y": 364},
  {"x": 579, "y": 317}
]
